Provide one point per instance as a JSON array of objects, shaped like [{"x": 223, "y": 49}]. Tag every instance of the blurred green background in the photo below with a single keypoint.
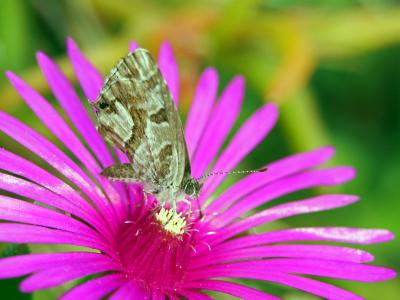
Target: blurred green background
[{"x": 333, "y": 67}]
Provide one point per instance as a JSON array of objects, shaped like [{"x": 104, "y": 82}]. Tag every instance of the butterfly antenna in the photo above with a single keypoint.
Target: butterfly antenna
[
  {"x": 202, "y": 179},
  {"x": 231, "y": 172}
]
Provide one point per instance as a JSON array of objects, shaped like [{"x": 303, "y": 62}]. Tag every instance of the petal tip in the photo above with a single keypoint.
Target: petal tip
[
  {"x": 351, "y": 198},
  {"x": 273, "y": 109},
  {"x": 343, "y": 174},
  {"x": 71, "y": 45},
  {"x": 15, "y": 81},
  {"x": 133, "y": 45},
  {"x": 11, "y": 75},
  {"x": 42, "y": 57},
  {"x": 25, "y": 287},
  {"x": 212, "y": 72},
  {"x": 386, "y": 274},
  {"x": 166, "y": 46},
  {"x": 327, "y": 151},
  {"x": 239, "y": 79},
  {"x": 350, "y": 173},
  {"x": 366, "y": 257}
]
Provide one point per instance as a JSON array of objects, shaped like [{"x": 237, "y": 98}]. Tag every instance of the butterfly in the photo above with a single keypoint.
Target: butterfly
[{"x": 135, "y": 113}]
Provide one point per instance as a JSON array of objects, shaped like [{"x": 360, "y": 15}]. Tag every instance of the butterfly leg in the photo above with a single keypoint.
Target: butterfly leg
[{"x": 189, "y": 204}]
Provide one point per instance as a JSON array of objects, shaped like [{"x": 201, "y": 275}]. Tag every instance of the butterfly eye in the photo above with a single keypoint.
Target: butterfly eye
[
  {"x": 103, "y": 105},
  {"x": 192, "y": 188},
  {"x": 189, "y": 189}
]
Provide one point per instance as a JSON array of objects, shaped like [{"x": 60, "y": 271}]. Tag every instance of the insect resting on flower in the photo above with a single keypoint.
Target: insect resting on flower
[{"x": 135, "y": 112}]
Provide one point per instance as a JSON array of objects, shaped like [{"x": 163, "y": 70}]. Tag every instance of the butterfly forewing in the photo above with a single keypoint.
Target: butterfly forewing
[{"x": 135, "y": 113}]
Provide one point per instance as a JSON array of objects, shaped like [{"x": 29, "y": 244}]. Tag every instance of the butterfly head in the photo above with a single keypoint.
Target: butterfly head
[{"x": 191, "y": 187}]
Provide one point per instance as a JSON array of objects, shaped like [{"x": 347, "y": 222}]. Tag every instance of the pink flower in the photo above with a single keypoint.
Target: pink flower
[{"x": 137, "y": 253}]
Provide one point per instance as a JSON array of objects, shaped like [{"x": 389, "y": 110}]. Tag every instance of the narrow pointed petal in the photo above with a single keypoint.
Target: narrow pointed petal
[
  {"x": 311, "y": 286},
  {"x": 329, "y": 234},
  {"x": 57, "y": 275},
  {"x": 95, "y": 289},
  {"x": 220, "y": 124},
  {"x": 15, "y": 266},
  {"x": 250, "y": 134},
  {"x": 55, "y": 192},
  {"x": 276, "y": 170},
  {"x": 327, "y": 177},
  {"x": 73, "y": 106},
  {"x": 203, "y": 102},
  {"x": 133, "y": 46},
  {"x": 169, "y": 70},
  {"x": 61, "y": 130},
  {"x": 89, "y": 78},
  {"x": 21, "y": 233},
  {"x": 56, "y": 158},
  {"x": 35, "y": 192},
  {"x": 130, "y": 291},
  {"x": 21, "y": 211},
  {"x": 223, "y": 253},
  {"x": 230, "y": 288},
  {"x": 325, "y": 268},
  {"x": 315, "y": 204}
]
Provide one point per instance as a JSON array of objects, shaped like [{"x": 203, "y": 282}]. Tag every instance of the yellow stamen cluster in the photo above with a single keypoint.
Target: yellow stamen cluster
[{"x": 171, "y": 221}]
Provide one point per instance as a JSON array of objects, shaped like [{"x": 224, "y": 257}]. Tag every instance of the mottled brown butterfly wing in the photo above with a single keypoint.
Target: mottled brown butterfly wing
[{"x": 135, "y": 113}]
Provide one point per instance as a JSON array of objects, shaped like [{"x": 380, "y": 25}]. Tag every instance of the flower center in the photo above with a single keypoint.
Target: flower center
[
  {"x": 155, "y": 247},
  {"x": 172, "y": 221}
]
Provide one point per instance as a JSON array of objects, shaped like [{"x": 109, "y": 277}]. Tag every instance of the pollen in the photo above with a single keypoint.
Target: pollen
[{"x": 172, "y": 222}]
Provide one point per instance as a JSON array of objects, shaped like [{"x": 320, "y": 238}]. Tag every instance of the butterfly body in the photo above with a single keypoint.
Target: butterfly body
[{"x": 135, "y": 113}]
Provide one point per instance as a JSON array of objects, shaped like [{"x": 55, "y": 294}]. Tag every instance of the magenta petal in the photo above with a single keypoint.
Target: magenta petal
[
  {"x": 318, "y": 288},
  {"x": 20, "y": 265},
  {"x": 50, "y": 117},
  {"x": 276, "y": 170},
  {"x": 21, "y": 233},
  {"x": 193, "y": 295},
  {"x": 35, "y": 192},
  {"x": 72, "y": 105},
  {"x": 230, "y": 288},
  {"x": 219, "y": 125},
  {"x": 89, "y": 78},
  {"x": 326, "y": 268},
  {"x": 318, "y": 203},
  {"x": 133, "y": 45},
  {"x": 130, "y": 291},
  {"x": 169, "y": 70},
  {"x": 155, "y": 295},
  {"x": 233, "y": 252},
  {"x": 58, "y": 275},
  {"x": 95, "y": 289},
  {"x": 55, "y": 192},
  {"x": 327, "y": 177},
  {"x": 56, "y": 124},
  {"x": 204, "y": 98},
  {"x": 56, "y": 158},
  {"x": 250, "y": 134},
  {"x": 330, "y": 234},
  {"x": 21, "y": 211}
]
